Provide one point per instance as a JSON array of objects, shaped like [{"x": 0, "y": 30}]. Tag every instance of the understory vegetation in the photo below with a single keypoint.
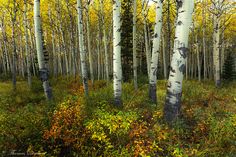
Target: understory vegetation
[{"x": 73, "y": 125}]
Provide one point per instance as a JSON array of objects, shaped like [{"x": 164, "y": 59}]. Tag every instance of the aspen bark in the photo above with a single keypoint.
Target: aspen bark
[
  {"x": 117, "y": 69},
  {"x": 104, "y": 40},
  {"x": 216, "y": 50},
  {"x": 65, "y": 53},
  {"x": 89, "y": 43},
  {"x": 43, "y": 71},
  {"x": 198, "y": 63},
  {"x": 5, "y": 48},
  {"x": 82, "y": 48},
  {"x": 155, "y": 52},
  {"x": 135, "y": 65},
  {"x": 28, "y": 64},
  {"x": 99, "y": 54},
  {"x": 203, "y": 39},
  {"x": 147, "y": 49},
  {"x": 32, "y": 52},
  {"x": 180, "y": 51},
  {"x": 72, "y": 43},
  {"x": 53, "y": 46}
]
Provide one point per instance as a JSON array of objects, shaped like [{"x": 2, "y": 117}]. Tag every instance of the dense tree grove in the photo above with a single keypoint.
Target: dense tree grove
[
  {"x": 103, "y": 46},
  {"x": 60, "y": 28}
]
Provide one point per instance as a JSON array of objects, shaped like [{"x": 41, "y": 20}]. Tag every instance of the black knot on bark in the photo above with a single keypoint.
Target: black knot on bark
[
  {"x": 179, "y": 22},
  {"x": 179, "y": 3}
]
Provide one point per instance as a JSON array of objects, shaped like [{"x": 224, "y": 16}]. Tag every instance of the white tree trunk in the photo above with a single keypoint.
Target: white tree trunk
[
  {"x": 117, "y": 69},
  {"x": 14, "y": 46},
  {"x": 32, "y": 51},
  {"x": 216, "y": 50},
  {"x": 3, "y": 58},
  {"x": 55, "y": 69},
  {"x": 28, "y": 64},
  {"x": 155, "y": 52},
  {"x": 198, "y": 63},
  {"x": 82, "y": 48},
  {"x": 135, "y": 65},
  {"x": 72, "y": 42},
  {"x": 204, "y": 39},
  {"x": 174, "y": 87},
  {"x": 63, "y": 38},
  {"x": 222, "y": 62},
  {"x": 105, "y": 40},
  {"x": 98, "y": 54},
  {"x": 147, "y": 49},
  {"x": 89, "y": 43},
  {"x": 43, "y": 71},
  {"x": 8, "y": 66}
]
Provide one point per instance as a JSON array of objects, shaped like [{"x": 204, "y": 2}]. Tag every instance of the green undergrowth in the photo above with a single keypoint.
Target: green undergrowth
[{"x": 78, "y": 126}]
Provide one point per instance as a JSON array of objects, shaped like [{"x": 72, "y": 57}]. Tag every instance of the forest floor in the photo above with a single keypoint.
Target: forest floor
[{"x": 73, "y": 125}]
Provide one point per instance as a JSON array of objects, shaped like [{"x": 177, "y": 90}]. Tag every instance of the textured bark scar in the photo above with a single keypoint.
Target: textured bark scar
[
  {"x": 172, "y": 110},
  {"x": 183, "y": 51},
  {"x": 156, "y": 35},
  {"x": 182, "y": 68},
  {"x": 152, "y": 92},
  {"x": 155, "y": 71},
  {"x": 44, "y": 74},
  {"x": 172, "y": 69},
  {"x": 179, "y": 3}
]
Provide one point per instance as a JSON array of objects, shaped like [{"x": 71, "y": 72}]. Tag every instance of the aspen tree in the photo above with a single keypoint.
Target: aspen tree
[
  {"x": 89, "y": 41},
  {"x": 147, "y": 49},
  {"x": 28, "y": 64},
  {"x": 104, "y": 40},
  {"x": 43, "y": 70},
  {"x": 14, "y": 45},
  {"x": 82, "y": 47},
  {"x": 174, "y": 86},
  {"x": 135, "y": 65},
  {"x": 155, "y": 52},
  {"x": 117, "y": 69}
]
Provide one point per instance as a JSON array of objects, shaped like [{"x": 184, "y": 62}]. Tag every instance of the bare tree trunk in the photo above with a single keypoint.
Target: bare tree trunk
[
  {"x": 28, "y": 64},
  {"x": 99, "y": 54},
  {"x": 65, "y": 53},
  {"x": 43, "y": 71},
  {"x": 216, "y": 50},
  {"x": 21, "y": 58},
  {"x": 117, "y": 69},
  {"x": 89, "y": 42},
  {"x": 174, "y": 87},
  {"x": 186, "y": 69},
  {"x": 135, "y": 65},
  {"x": 72, "y": 41},
  {"x": 14, "y": 46},
  {"x": 82, "y": 47},
  {"x": 5, "y": 48},
  {"x": 155, "y": 52},
  {"x": 147, "y": 49},
  {"x": 198, "y": 63},
  {"x": 3, "y": 58},
  {"x": 222, "y": 57},
  {"x": 204, "y": 38},
  {"x": 55, "y": 71}
]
